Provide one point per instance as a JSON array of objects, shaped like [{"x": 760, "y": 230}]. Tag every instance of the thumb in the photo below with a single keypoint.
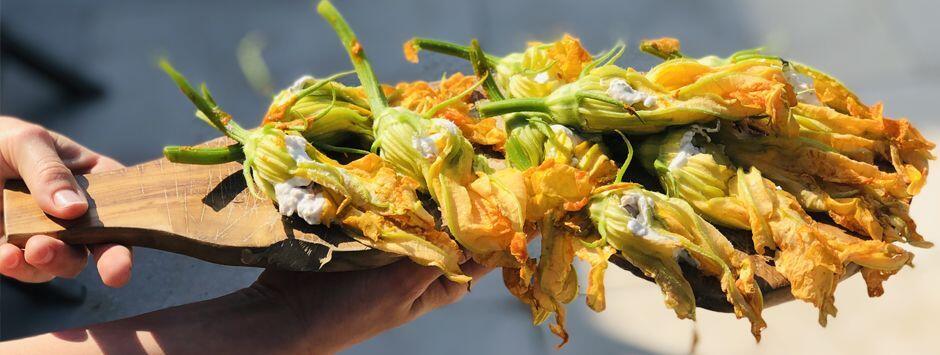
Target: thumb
[{"x": 50, "y": 182}]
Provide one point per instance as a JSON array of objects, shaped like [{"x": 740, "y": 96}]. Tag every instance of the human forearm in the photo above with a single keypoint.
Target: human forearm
[{"x": 242, "y": 322}]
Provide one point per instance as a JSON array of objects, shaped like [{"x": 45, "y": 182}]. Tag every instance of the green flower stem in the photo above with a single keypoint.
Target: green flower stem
[
  {"x": 204, "y": 155},
  {"x": 496, "y": 108},
  {"x": 626, "y": 162},
  {"x": 433, "y": 110},
  {"x": 482, "y": 69},
  {"x": 451, "y": 49},
  {"x": 607, "y": 58},
  {"x": 338, "y": 149},
  {"x": 206, "y": 105},
  {"x": 357, "y": 54}
]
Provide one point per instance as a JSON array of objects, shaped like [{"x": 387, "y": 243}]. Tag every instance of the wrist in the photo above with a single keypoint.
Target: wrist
[{"x": 283, "y": 324}]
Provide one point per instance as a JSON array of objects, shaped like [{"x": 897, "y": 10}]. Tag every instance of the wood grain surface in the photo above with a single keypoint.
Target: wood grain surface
[{"x": 204, "y": 211}]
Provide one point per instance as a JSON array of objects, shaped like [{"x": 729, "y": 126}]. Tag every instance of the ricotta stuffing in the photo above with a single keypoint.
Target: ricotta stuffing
[
  {"x": 299, "y": 84},
  {"x": 427, "y": 145},
  {"x": 640, "y": 207},
  {"x": 297, "y": 196},
  {"x": 621, "y": 91},
  {"x": 687, "y": 149},
  {"x": 541, "y": 78}
]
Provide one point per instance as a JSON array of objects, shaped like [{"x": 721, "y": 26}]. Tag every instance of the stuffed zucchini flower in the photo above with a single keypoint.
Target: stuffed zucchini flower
[
  {"x": 450, "y": 99},
  {"x": 695, "y": 169},
  {"x": 561, "y": 169},
  {"x": 323, "y": 111},
  {"x": 832, "y": 115},
  {"x": 653, "y": 232},
  {"x": 611, "y": 98},
  {"x": 484, "y": 212},
  {"x": 826, "y": 112},
  {"x": 857, "y": 195}
]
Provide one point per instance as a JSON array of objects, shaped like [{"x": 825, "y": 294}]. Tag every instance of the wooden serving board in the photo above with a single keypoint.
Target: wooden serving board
[{"x": 204, "y": 211}]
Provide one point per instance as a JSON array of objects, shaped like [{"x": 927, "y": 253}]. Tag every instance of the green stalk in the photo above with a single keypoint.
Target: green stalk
[
  {"x": 338, "y": 149},
  {"x": 320, "y": 83},
  {"x": 482, "y": 69},
  {"x": 431, "y": 112},
  {"x": 607, "y": 58},
  {"x": 206, "y": 105},
  {"x": 357, "y": 55},
  {"x": 204, "y": 155},
  {"x": 447, "y": 48},
  {"x": 626, "y": 162},
  {"x": 528, "y": 104}
]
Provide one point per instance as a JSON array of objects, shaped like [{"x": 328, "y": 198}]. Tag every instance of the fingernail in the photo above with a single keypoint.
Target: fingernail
[{"x": 65, "y": 198}]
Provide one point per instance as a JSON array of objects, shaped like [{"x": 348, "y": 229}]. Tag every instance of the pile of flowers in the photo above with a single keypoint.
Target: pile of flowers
[{"x": 535, "y": 151}]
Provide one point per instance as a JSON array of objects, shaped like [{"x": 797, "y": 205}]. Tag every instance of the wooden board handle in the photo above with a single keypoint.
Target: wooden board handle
[{"x": 196, "y": 210}]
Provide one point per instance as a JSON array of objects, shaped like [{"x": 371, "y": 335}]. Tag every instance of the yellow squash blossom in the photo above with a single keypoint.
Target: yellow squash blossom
[
  {"x": 811, "y": 257},
  {"x": 422, "y": 97},
  {"x": 831, "y": 114},
  {"x": 611, "y": 98},
  {"x": 323, "y": 111},
  {"x": 857, "y": 195},
  {"x": 383, "y": 208},
  {"x": 561, "y": 170},
  {"x": 653, "y": 231}
]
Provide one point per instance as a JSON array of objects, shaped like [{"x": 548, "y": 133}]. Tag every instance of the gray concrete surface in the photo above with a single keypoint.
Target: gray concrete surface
[{"x": 885, "y": 50}]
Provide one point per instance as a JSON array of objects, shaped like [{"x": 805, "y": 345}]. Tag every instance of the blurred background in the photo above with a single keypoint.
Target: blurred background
[{"x": 86, "y": 68}]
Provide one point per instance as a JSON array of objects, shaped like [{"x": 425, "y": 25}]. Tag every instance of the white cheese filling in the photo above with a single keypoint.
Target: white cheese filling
[
  {"x": 297, "y": 148},
  {"x": 560, "y": 130},
  {"x": 297, "y": 196},
  {"x": 427, "y": 145},
  {"x": 640, "y": 207},
  {"x": 687, "y": 148},
  {"x": 803, "y": 86},
  {"x": 299, "y": 84},
  {"x": 541, "y": 78},
  {"x": 621, "y": 91}
]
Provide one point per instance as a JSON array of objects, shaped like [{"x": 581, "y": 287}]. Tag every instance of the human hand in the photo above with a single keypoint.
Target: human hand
[
  {"x": 330, "y": 311},
  {"x": 46, "y": 160}
]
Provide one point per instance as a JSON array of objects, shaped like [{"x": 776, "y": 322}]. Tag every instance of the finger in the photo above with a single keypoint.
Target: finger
[
  {"x": 441, "y": 291},
  {"x": 50, "y": 182},
  {"x": 75, "y": 156},
  {"x": 475, "y": 270},
  {"x": 114, "y": 263},
  {"x": 14, "y": 265},
  {"x": 105, "y": 164},
  {"x": 80, "y": 159},
  {"x": 408, "y": 277},
  {"x": 469, "y": 268},
  {"x": 408, "y": 272},
  {"x": 54, "y": 257}
]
